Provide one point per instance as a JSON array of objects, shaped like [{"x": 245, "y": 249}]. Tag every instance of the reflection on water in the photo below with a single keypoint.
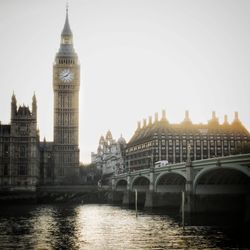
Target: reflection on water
[{"x": 100, "y": 227}]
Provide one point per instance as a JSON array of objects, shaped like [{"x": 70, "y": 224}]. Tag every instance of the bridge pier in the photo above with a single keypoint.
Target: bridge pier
[
  {"x": 117, "y": 197},
  {"x": 128, "y": 198},
  {"x": 150, "y": 201},
  {"x": 211, "y": 186},
  {"x": 189, "y": 203}
]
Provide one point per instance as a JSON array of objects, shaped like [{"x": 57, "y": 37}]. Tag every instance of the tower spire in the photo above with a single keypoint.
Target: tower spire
[
  {"x": 66, "y": 29},
  {"x": 66, "y": 47}
]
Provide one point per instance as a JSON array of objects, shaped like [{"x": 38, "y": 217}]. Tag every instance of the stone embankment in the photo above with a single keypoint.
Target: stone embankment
[{"x": 58, "y": 194}]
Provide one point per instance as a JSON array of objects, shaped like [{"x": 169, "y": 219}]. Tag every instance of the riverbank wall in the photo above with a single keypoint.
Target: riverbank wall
[{"x": 58, "y": 194}]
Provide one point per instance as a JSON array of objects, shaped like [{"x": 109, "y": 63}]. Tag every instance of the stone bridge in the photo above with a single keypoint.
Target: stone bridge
[{"x": 215, "y": 184}]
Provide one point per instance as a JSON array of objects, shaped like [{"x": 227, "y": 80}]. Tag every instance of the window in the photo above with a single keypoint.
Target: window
[
  {"x": 22, "y": 151},
  {"x": 22, "y": 170},
  {"x": 5, "y": 170},
  {"x": 6, "y": 150}
]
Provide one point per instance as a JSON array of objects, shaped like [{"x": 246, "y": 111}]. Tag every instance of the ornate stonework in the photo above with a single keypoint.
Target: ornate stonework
[{"x": 66, "y": 84}]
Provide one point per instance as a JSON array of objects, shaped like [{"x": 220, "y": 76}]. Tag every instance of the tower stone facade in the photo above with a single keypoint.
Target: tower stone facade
[{"x": 66, "y": 84}]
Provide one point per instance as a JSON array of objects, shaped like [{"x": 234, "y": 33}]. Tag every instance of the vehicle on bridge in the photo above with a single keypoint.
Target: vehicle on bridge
[{"x": 161, "y": 163}]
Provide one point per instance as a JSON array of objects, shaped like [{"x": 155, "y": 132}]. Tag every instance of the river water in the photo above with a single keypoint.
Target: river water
[{"x": 102, "y": 227}]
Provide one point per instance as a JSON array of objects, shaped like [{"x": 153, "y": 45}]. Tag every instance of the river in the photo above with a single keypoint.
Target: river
[{"x": 95, "y": 227}]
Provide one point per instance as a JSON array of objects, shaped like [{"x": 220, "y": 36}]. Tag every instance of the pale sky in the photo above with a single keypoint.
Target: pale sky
[{"x": 137, "y": 57}]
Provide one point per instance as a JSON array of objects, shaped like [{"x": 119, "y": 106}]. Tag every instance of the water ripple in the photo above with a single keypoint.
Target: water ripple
[{"x": 94, "y": 227}]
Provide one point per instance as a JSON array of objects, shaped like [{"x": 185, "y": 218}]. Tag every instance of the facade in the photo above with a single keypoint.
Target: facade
[
  {"x": 47, "y": 163},
  {"x": 66, "y": 84},
  {"x": 110, "y": 155},
  {"x": 161, "y": 140},
  {"x": 19, "y": 149},
  {"x": 25, "y": 162}
]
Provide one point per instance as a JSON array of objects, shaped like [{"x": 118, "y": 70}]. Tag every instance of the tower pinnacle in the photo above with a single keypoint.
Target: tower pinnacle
[
  {"x": 66, "y": 47},
  {"x": 66, "y": 29}
]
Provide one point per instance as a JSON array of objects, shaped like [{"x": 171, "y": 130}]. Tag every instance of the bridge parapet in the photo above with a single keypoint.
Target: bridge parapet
[{"x": 191, "y": 172}]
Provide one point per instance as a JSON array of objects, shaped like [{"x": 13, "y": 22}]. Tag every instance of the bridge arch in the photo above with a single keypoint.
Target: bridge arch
[
  {"x": 141, "y": 183},
  {"x": 121, "y": 185},
  {"x": 217, "y": 179},
  {"x": 171, "y": 182}
]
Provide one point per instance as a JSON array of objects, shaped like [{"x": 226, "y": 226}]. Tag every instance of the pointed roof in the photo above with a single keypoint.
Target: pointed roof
[
  {"x": 13, "y": 98},
  {"x": 34, "y": 98},
  {"x": 66, "y": 29}
]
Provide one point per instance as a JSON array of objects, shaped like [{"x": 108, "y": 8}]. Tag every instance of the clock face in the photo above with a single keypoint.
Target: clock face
[{"x": 66, "y": 75}]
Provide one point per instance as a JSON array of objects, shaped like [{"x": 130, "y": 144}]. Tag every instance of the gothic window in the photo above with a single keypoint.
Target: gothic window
[
  {"x": 60, "y": 171},
  {"x": 22, "y": 151},
  {"x": 23, "y": 170},
  {"x": 5, "y": 170},
  {"x": 6, "y": 150}
]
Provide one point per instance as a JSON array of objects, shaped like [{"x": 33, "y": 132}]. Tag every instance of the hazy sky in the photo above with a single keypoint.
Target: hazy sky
[{"x": 137, "y": 57}]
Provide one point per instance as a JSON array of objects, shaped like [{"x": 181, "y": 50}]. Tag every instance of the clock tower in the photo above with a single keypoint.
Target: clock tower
[{"x": 66, "y": 84}]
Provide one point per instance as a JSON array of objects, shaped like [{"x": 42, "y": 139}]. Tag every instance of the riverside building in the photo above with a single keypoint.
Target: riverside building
[
  {"x": 160, "y": 140},
  {"x": 110, "y": 155}
]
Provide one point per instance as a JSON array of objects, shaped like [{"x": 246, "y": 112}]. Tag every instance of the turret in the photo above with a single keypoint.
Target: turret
[
  {"x": 34, "y": 106},
  {"x": 13, "y": 106}
]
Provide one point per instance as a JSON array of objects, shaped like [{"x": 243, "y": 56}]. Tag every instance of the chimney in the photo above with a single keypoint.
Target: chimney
[
  {"x": 236, "y": 116},
  {"x": 213, "y": 115},
  {"x": 156, "y": 117},
  {"x": 150, "y": 120},
  {"x": 139, "y": 125},
  {"x": 225, "y": 119},
  {"x": 164, "y": 115}
]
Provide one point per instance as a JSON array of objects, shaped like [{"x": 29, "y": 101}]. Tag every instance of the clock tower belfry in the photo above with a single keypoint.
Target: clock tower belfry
[{"x": 66, "y": 84}]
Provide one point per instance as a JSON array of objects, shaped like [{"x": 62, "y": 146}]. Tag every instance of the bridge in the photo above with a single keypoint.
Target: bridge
[{"x": 215, "y": 184}]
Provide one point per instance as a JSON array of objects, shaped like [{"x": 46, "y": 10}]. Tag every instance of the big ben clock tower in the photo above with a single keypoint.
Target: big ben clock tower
[{"x": 66, "y": 84}]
